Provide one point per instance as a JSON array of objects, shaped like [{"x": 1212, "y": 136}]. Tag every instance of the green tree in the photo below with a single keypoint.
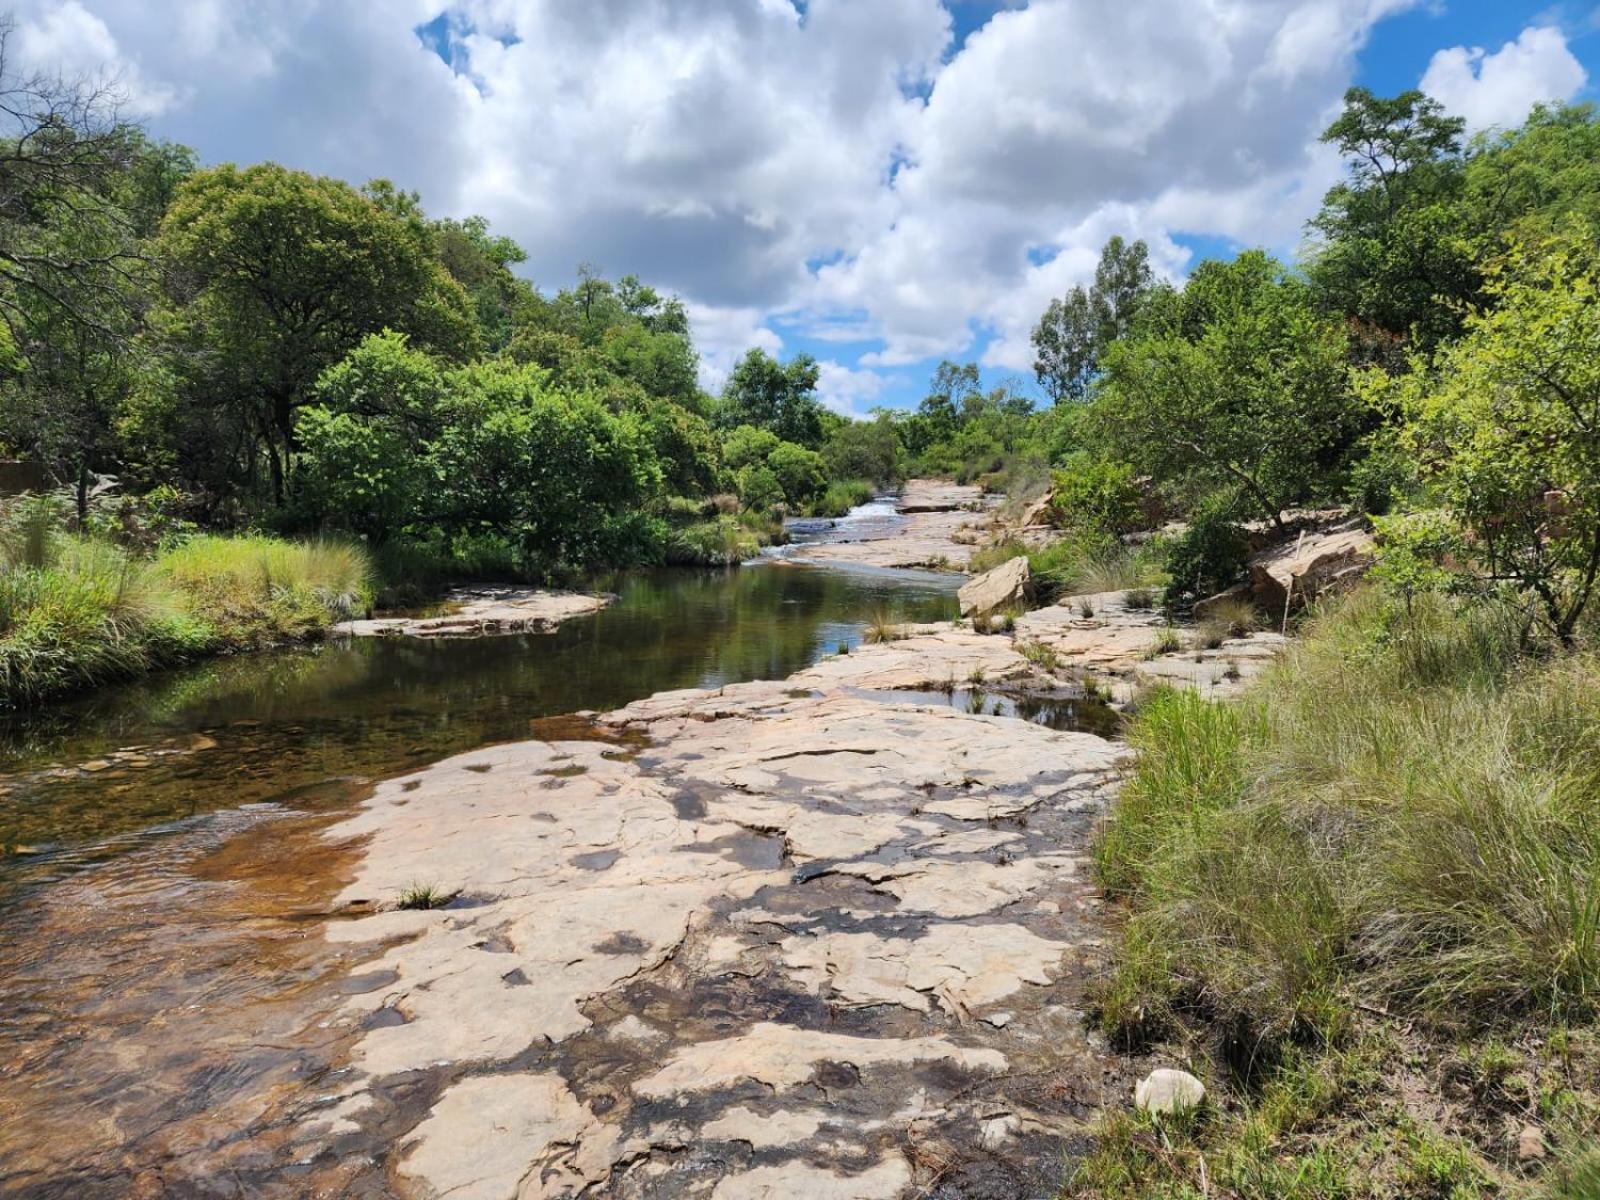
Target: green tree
[
  {"x": 867, "y": 450},
  {"x": 746, "y": 445},
  {"x": 277, "y": 274},
  {"x": 1072, "y": 337},
  {"x": 557, "y": 473},
  {"x": 799, "y": 472},
  {"x": 1256, "y": 399},
  {"x": 363, "y": 459},
  {"x": 1392, "y": 251},
  {"x": 1505, "y": 425},
  {"x": 780, "y": 397}
]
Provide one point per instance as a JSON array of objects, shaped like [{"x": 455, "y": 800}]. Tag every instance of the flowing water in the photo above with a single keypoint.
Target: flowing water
[{"x": 162, "y": 877}]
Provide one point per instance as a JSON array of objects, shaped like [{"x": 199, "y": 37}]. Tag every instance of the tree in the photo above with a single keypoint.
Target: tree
[
  {"x": 1257, "y": 399},
  {"x": 277, "y": 274},
  {"x": 799, "y": 472},
  {"x": 364, "y": 441},
  {"x": 780, "y": 397},
  {"x": 1505, "y": 425},
  {"x": 557, "y": 473},
  {"x": 867, "y": 450},
  {"x": 1073, "y": 335},
  {"x": 481, "y": 263},
  {"x": 1393, "y": 251}
]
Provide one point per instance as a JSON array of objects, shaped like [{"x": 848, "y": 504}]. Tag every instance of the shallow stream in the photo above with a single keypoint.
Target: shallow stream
[{"x": 162, "y": 877}]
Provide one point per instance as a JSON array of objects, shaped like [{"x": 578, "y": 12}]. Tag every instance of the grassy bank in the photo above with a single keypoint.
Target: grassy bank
[
  {"x": 79, "y": 612},
  {"x": 1365, "y": 905}
]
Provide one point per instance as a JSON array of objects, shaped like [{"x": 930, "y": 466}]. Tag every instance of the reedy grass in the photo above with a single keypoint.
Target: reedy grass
[
  {"x": 78, "y": 612},
  {"x": 1400, "y": 819}
]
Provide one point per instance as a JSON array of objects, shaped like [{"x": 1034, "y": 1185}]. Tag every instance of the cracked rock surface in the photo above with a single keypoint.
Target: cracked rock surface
[{"x": 781, "y": 939}]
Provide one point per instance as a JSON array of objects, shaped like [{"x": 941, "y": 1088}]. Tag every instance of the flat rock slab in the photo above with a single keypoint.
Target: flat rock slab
[
  {"x": 1121, "y": 644},
  {"x": 779, "y": 939},
  {"x": 484, "y": 612}
]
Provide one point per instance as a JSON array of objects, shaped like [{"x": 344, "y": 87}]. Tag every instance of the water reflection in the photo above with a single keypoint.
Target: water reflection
[{"x": 82, "y": 779}]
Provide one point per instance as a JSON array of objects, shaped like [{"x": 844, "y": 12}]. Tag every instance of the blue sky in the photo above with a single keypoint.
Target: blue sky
[{"x": 879, "y": 183}]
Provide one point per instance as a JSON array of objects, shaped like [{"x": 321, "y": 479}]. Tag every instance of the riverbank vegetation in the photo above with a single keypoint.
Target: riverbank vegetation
[
  {"x": 79, "y": 610},
  {"x": 1364, "y": 901}
]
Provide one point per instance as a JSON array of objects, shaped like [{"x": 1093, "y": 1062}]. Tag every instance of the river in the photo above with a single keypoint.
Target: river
[{"x": 166, "y": 881}]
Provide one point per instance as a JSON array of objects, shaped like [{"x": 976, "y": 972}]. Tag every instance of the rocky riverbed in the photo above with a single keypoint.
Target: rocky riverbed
[
  {"x": 937, "y": 529},
  {"x": 828, "y": 935}
]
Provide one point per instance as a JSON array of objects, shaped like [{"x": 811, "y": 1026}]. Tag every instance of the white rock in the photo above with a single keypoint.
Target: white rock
[{"x": 1166, "y": 1090}]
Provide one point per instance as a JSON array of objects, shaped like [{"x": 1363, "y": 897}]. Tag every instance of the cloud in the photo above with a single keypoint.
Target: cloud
[
  {"x": 1498, "y": 89},
  {"x": 848, "y": 391},
  {"x": 840, "y": 170},
  {"x": 69, "y": 40}
]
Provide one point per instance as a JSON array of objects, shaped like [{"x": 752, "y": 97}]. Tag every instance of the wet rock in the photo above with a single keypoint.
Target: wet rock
[
  {"x": 1312, "y": 563},
  {"x": 1004, "y": 587},
  {"x": 1168, "y": 1090}
]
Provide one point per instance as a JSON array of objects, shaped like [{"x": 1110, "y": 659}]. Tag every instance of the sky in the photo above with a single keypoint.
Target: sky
[{"x": 881, "y": 184}]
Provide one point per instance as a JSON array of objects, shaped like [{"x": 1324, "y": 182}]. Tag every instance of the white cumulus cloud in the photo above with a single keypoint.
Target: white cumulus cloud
[{"x": 1498, "y": 89}]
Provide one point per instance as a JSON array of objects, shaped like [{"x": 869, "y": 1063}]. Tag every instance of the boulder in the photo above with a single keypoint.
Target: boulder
[
  {"x": 1166, "y": 1090},
  {"x": 1004, "y": 587},
  {"x": 1314, "y": 562},
  {"x": 1037, "y": 513}
]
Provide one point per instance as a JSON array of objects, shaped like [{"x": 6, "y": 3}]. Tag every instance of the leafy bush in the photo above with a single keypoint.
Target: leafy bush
[
  {"x": 799, "y": 473},
  {"x": 1095, "y": 495},
  {"x": 1209, "y": 555}
]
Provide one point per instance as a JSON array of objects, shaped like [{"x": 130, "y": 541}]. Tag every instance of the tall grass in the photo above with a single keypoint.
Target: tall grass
[
  {"x": 78, "y": 612},
  {"x": 1406, "y": 807},
  {"x": 1074, "y": 566},
  {"x": 1384, "y": 859}
]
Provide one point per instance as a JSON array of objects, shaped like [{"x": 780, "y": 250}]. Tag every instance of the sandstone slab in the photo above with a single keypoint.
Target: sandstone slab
[{"x": 483, "y": 612}]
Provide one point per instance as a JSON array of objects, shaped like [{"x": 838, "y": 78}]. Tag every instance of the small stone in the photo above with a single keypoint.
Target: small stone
[
  {"x": 96, "y": 764},
  {"x": 1530, "y": 1144},
  {"x": 996, "y": 1131},
  {"x": 1166, "y": 1090},
  {"x": 999, "y": 1020}
]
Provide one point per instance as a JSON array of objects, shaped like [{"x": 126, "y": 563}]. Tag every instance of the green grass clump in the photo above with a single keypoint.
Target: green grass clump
[
  {"x": 78, "y": 612},
  {"x": 422, "y": 896},
  {"x": 723, "y": 541},
  {"x": 840, "y": 497},
  {"x": 255, "y": 590},
  {"x": 1398, "y": 820}
]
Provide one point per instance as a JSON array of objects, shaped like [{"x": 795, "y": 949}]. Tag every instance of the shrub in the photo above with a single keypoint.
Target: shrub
[
  {"x": 1210, "y": 554},
  {"x": 1095, "y": 495},
  {"x": 840, "y": 497},
  {"x": 721, "y": 542}
]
